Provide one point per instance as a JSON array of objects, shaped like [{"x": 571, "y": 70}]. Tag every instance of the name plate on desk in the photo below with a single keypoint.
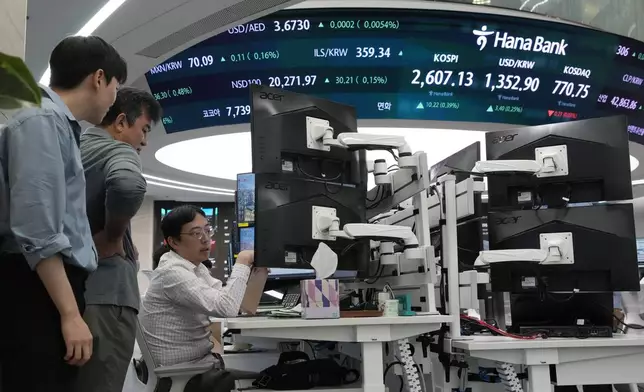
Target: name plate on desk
[{"x": 320, "y": 298}]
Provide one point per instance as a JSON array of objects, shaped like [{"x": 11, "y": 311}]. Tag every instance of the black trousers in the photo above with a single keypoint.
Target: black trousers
[{"x": 32, "y": 348}]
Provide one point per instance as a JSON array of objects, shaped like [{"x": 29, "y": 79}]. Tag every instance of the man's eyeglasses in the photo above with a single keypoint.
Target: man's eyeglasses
[{"x": 201, "y": 233}]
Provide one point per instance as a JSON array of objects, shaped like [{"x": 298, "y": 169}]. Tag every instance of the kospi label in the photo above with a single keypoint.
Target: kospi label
[{"x": 526, "y": 44}]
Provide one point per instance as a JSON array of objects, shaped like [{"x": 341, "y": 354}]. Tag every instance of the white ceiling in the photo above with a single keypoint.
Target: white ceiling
[{"x": 137, "y": 25}]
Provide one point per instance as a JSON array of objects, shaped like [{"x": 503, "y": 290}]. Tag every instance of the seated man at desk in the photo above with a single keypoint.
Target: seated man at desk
[{"x": 182, "y": 295}]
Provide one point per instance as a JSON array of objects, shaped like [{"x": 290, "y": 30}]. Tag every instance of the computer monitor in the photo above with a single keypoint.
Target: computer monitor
[
  {"x": 458, "y": 163},
  {"x": 279, "y": 137},
  {"x": 558, "y": 314},
  {"x": 598, "y": 164},
  {"x": 291, "y": 178},
  {"x": 245, "y": 199},
  {"x": 640, "y": 251},
  {"x": 605, "y": 252},
  {"x": 284, "y": 221},
  {"x": 286, "y": 203}
]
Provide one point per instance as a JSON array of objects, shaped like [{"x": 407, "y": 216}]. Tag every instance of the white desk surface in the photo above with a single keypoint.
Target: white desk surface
[
  {"x": 481, "y": 343},
  {"x": 271, "y": 323},
  {"x": 616, "y": 360}
]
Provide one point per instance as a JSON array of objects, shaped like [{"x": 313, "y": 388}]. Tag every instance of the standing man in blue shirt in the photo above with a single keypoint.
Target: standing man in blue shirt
[
  {"x": 115, "y": 191},
  {"x": 46, "y": 247}
]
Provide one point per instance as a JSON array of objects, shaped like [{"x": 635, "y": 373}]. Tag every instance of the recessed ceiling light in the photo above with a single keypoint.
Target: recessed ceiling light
[
  {"x": 225, "y": 156},
  {"x": 183, "y": 188},
  {"x": 91, "y": 26},
  {"x": 187, "y": 184}
]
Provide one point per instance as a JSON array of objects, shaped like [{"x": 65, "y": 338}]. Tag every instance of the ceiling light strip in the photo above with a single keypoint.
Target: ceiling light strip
[
  {"x": 101, "y": 16},
  {"x": 209, "y": 188},
  {"x": 188, "y": 189}
]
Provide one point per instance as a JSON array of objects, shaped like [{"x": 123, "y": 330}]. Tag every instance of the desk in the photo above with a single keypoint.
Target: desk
[
  {"x": 370, "y": 332},
  {"x": 617, "y": 360}
]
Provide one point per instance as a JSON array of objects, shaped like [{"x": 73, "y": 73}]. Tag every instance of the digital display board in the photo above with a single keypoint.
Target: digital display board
[
  {"x": 408, "y": 64},
  {"x": 245, "y": 199}
]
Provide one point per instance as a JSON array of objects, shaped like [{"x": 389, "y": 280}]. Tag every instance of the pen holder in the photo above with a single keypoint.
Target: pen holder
[{"x": 320, "y": 298}]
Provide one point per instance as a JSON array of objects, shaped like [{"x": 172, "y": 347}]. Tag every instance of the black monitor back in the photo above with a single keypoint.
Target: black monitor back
[
  {"x": 284, "y": 223},
  {"x": 458, "y": 163},
  {"x": 560, "y": 310},
  {"x": 598, "y": 163},
  {"x": 604, "y": 249},
  {"x": 279, "y": 137}
]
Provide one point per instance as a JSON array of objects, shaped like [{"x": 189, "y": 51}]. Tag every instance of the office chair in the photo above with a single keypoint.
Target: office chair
[{"x": 165, "y": 378}]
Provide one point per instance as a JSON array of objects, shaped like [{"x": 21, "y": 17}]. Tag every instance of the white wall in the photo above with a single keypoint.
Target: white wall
[
  {"x": 13, "y": 27},
  {"x": 13, "y": 32},
  {"x": 142, "y": 235}
]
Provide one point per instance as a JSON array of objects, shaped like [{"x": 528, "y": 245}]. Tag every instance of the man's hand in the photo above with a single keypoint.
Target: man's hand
[
  {"x": 108, "y": 247},
  {"x": 78, "y": 339},
  {"x": 246, "y": 257}
]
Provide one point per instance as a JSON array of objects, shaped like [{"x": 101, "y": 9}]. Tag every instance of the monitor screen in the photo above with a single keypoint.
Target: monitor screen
[
  {"x": 210, "y": 212},
  {"x": 245, "y": 198},
  {"x": 640, "y": 251},
  {"x": 246, "y": 238}
]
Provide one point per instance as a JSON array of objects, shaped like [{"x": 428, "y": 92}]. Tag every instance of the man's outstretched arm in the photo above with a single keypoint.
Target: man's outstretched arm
[{"x": 125, "y": 190}]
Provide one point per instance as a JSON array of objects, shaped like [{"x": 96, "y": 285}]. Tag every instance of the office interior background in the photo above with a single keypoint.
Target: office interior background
[{"x": 200, "y": 165}]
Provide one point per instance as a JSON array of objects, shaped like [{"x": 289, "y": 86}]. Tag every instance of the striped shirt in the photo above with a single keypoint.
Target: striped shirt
[{"x": 176, "y": 309}]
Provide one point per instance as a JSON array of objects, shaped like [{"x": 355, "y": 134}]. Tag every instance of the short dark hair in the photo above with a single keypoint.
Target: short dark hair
[
  {"x": 133, "y": 102},
  {"x": 172, "y": 223},
  {"x": 74, "y": 58}
]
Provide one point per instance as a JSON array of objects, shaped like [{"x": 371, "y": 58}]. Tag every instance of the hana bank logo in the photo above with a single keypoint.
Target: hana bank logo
[
  {"x": 507, "y": 41},
  {"x": 482, "y": 34}
]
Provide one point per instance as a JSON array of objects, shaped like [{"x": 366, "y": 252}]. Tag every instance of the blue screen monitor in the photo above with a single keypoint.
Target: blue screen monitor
[
  {"x": 246, "y": 238},
  {"x": 245, "y": 198},
  {"x": 640, "y": 251}
]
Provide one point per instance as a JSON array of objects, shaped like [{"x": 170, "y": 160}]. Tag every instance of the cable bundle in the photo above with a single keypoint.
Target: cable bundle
[
  {"x": 409, "y": 366},
  {"x": 509, "y": 377},
  {"x": 498, "y": 331}
]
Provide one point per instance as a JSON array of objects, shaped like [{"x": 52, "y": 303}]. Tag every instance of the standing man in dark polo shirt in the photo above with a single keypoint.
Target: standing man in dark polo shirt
[
  {"x": 115, "y": 191},
  {"x": 46, "y": 248}
]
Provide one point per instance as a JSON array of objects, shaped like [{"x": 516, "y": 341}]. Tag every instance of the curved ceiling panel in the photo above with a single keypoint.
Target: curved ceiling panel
[{"x": 616, "y": 16}]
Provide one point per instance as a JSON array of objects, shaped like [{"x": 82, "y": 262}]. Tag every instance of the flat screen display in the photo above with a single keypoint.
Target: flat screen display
[
  {"x": 245, "y": 199},
  {"x": 640, "y": 251},
  {"x": 246, "y": 238},
  {"x": 408, "y": 64}
]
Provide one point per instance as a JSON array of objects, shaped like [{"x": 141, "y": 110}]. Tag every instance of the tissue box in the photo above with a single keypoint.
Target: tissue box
[{"x": 320, "y": 298}]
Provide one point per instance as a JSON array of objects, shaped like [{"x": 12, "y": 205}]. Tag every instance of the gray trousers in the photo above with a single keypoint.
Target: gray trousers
[{"x": 114, "y": 331}]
